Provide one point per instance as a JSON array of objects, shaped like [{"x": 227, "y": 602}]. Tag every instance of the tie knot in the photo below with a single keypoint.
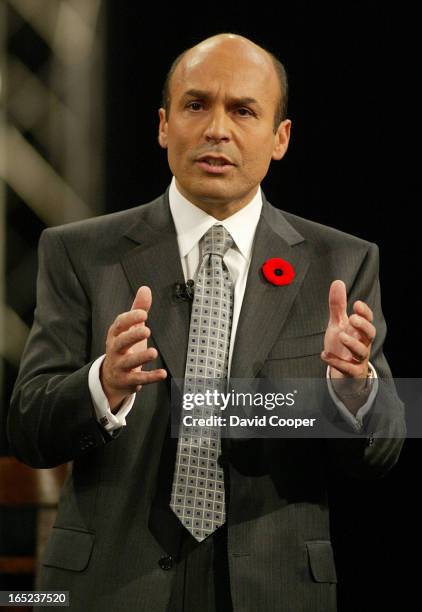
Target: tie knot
[{"x": 216, "y": 241}]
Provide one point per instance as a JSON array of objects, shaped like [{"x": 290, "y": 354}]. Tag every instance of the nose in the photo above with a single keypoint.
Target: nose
[{"x": 217, "y": 128}]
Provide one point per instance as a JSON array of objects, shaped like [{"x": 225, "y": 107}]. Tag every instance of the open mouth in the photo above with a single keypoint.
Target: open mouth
[
  {"x": 214, "y": 165},
  {"x": 215, "y": 161}
]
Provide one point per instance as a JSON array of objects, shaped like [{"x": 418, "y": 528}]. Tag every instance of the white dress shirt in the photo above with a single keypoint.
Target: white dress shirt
[{"x": 191, "y": 224}]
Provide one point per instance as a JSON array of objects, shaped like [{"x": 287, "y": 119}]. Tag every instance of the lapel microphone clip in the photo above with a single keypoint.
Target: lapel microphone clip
[{"x": 184, "y": 292}]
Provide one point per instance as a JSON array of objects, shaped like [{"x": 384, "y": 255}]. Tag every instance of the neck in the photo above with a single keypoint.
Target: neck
[{"x": 218, "y": 209}]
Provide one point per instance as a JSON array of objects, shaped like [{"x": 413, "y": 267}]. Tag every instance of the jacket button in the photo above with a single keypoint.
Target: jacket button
[{"x": 166, "y": 563}]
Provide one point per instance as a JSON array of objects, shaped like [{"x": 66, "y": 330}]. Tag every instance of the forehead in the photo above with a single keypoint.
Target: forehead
[{"x": 233, "y": 72}]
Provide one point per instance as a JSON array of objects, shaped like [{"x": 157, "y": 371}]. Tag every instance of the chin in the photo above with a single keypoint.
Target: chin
[
  {"x": 208, "y": 193},
  {"x": 213, "y": 197}
]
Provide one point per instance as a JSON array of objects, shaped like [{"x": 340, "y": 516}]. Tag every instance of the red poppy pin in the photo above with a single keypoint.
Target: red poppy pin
[{"x": 278, "y": 271}]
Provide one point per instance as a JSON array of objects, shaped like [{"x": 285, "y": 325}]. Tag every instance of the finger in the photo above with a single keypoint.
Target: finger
[
  {"x": 132, "y": 336},
  {"x": 363, "y": 310},
  {"x": 337, "y": 301},
  {"x": 138, "y": 358},
  {"x": 358, "y": 349},
  {"x": 363, "y": 326},
  {"x": 143, "y": 299},
  {"x": 345, "y": 367},
  {"x": 146, "y": 377},
  {"x": 125, "y": 320}
]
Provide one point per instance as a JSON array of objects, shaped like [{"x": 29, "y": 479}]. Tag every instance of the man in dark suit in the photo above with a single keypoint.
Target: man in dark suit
[{"x": 106, "y": 310}]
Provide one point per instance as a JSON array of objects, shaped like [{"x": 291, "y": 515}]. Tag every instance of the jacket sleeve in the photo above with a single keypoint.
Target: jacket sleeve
[
  {"x": 51, "y": 418},
  {"x": 376, "y": 450}
]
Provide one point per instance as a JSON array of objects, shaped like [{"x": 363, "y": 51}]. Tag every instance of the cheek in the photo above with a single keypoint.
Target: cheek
[
  {"x": 178, "y": 148},
  {"x": 257, "y": 150},
  {"x": 257, "y": 160}
]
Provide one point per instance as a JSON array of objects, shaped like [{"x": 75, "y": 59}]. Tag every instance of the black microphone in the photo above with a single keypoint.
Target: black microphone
[{"x": 183, "y": 292}]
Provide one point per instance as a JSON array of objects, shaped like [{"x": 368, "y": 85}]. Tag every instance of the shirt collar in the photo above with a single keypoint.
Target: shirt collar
[{"x": 191, "y": 222}]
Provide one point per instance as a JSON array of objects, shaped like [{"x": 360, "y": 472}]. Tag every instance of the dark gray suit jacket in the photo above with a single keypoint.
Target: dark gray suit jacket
[{"x": 113, "y": 524}]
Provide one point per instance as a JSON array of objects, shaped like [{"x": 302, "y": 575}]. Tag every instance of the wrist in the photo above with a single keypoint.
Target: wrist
[
  {"x": 115, "y": 397},
  {"x": 348, "y": 387}
]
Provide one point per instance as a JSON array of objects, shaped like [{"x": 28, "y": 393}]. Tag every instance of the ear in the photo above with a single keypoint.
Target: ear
[
  {"x": 162, "y": 128},
  {"x": 281, "y": 139}
]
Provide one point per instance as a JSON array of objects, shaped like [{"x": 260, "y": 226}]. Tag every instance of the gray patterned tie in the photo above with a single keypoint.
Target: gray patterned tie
[{"x": 198, "y": 498}]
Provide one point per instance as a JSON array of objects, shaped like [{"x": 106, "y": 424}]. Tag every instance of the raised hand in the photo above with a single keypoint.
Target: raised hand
[
  {"x": 348, "y": 339},
  {"x": 127, "y": 352}
]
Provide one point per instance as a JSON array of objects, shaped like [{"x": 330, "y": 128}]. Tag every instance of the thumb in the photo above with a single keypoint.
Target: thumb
[
  {"x": 337, "y": 301},
  {"x": 143, "y": 299}
]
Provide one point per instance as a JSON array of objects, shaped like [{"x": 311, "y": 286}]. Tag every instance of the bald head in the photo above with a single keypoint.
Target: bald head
[{"x": 243, "y": 51}]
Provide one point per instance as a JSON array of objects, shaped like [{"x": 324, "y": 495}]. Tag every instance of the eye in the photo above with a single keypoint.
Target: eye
[
  {"x": 194, "y": 106},
  {"x": 244, "y": 112}
]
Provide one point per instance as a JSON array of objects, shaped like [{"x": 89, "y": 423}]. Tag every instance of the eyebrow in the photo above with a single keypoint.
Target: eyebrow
[{"x": 206, "y": 95}]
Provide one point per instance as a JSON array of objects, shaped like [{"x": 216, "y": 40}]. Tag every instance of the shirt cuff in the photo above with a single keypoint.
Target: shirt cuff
[
  {"x": 355, "y": 420},
  {"x": 105, "y": 417}
]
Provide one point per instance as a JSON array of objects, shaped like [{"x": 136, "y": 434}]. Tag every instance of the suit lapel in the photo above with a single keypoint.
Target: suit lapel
[
  {"x": 154, "y": 260},
  {"x": 265, "y": 307}
]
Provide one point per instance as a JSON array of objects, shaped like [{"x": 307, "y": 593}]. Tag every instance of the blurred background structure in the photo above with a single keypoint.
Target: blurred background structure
[
  {"x": 52, "y": 146},
  {"x": 51, "y": 166}
]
